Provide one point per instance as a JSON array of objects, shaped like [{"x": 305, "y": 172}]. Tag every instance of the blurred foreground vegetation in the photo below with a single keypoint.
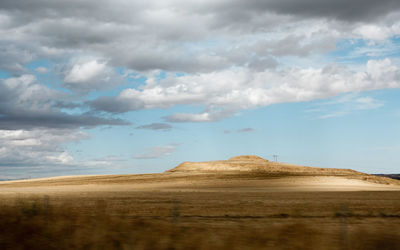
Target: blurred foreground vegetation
[{"x": 145, "y": 222}]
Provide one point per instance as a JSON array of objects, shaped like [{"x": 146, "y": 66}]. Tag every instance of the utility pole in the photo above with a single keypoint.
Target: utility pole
[{"x": 275, "y": 158}]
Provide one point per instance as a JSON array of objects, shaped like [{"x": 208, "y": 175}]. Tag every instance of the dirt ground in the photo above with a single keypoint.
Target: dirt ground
[{"x": 189, "y": 211}]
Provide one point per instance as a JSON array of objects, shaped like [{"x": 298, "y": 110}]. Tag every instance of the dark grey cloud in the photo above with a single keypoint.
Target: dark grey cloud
[
  {"x": 27, "y": 104},
  {"x": 55, "y": 120},
  {"x": 171, "y": 35},
  {"x": 294, "y": 45},
  {"x": 35, "y": 124},
  {"x": 13, "y": 57},
  {"x": 117, "y": 10},
  {"x": 155, "y": 126},
  {"x": 67, "y": 105},
  {"x": 342, "y": 10},
  {"x": 16, "y": 52},
  {"x": 114, "y": 105}
]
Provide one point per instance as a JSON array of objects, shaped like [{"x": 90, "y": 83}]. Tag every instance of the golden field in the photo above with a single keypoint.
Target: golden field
[{"x": 202, "y": 210}]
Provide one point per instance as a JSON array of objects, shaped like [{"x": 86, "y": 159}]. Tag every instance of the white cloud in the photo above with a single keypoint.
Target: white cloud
[
  {"x": 377, "y": 32},
  {"x": 41, "y": 70},
  {"x": 345, "y": 105},
  {"x": 88, "y": 74},
  {"x": 64, "y": 158},
  {"x": 365, "y": 103},
  {"x": 182, "y": 117},
  {"x": 374, "y": 50},
  {"x": 225, "y": 92},
  {"x": 373, "y": 32},
  {"x": 84, "y": 72},
  {"x": 37, "y": 147},
  {"x": 156, "y": 152}
]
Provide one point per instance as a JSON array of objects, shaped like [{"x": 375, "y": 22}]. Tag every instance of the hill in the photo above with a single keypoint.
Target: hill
[
  {"x": 245, "y": 172},
  {"x": 255, "y": 165}
]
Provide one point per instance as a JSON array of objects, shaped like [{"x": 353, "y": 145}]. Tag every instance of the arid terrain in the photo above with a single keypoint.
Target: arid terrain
[{"x": 242, "y": 203}]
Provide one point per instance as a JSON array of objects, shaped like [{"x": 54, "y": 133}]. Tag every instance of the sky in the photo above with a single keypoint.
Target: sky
[{"x": 118, "y": 87}]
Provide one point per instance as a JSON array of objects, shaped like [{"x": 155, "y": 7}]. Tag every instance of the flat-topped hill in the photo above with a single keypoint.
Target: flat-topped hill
[{"x": 251, "y": 164}]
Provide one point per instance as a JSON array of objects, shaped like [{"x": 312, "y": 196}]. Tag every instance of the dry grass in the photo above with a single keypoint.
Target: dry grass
[{"x": 205, "y": 220}]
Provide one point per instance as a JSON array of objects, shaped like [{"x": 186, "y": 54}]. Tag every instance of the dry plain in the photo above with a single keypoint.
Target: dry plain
[{"x": 243, "y": 203}]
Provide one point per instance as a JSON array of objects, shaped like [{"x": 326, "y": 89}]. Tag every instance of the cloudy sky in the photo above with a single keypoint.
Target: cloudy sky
[{"x": 101, "y": 87}]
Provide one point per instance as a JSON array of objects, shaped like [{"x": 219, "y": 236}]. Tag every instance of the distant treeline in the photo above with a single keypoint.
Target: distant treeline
[{"x": 393, "y": 176}]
